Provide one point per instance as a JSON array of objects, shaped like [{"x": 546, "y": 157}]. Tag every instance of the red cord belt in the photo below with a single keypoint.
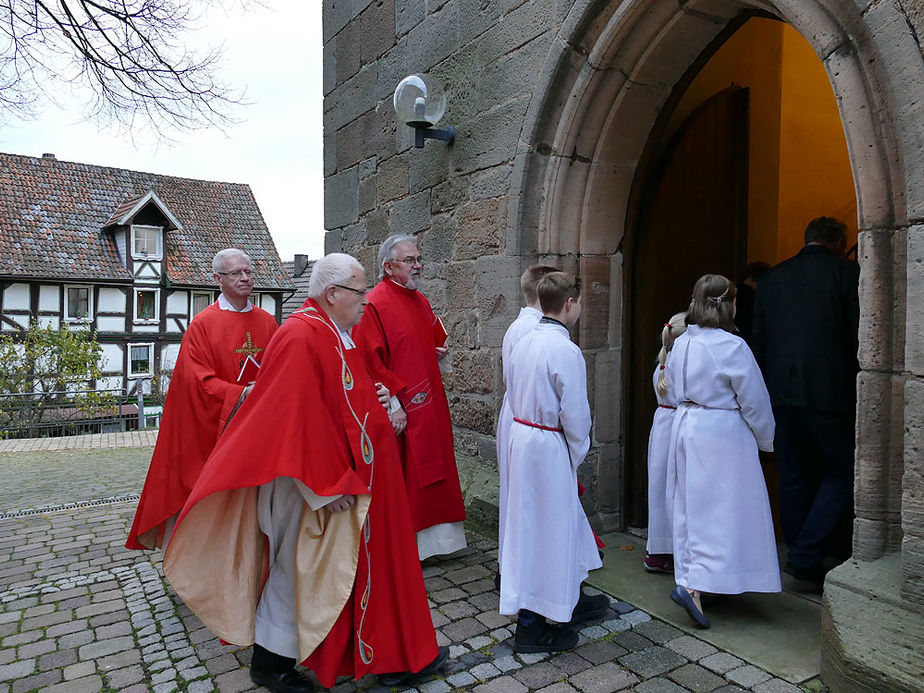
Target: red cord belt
[
  {"x": 535, "y": 425},
  {"x": 666, "y": 406}
]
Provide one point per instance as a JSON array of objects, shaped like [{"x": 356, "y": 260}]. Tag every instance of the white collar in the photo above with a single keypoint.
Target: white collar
[{"x": 225, "y": 304}]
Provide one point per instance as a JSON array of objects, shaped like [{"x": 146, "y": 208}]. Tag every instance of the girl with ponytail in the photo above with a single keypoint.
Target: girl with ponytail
[{"x": 722, "y": 531}]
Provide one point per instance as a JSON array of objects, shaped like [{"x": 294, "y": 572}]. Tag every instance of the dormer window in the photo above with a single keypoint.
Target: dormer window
[{"x": 147, "y": 242}]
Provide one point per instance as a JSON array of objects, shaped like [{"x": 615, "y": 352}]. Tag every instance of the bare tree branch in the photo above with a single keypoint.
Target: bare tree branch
[{"x": 126, "y": 58}]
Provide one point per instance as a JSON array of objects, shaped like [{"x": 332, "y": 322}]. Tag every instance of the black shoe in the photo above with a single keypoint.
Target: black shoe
[
  {"x": 808, "y": 578},
  {"x": 589, "y": 608},
  {"x": 497, "y": 581},
  {"x": 542, "y": 636},
  {"x": 399, "y": 678},
  {"x": 289, "y": 681}
]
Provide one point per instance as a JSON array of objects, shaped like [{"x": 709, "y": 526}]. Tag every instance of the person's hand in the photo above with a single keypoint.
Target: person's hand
[
  {"x": 341, "y": 504},
  {"x": 399, "y": 421},
  {"x": 441, "y": 352},
  {"x": 383, "y": 394}
]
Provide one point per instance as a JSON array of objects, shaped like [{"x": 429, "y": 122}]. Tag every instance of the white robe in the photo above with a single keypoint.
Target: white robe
[
  {"x": 280, "y": 504},
  {"x": 547, "y": 544},
  {"x": 519, "y": 328},
  {"x": 722, "y": 528},
  {"x": 659, "y": 441}
]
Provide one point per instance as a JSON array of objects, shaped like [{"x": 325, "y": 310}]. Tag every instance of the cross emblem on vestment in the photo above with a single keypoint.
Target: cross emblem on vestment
[{"x": 248, "y": 348}]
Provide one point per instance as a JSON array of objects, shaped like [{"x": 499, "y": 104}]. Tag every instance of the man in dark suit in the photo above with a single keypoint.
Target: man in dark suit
[{"x": 806, "y": 317}]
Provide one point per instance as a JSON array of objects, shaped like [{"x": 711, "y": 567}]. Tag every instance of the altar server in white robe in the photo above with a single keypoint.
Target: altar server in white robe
[
  {"x": 660, "y": 545},
  {"x": 547, "y": 544},
  {"x": 722, "y": 528},
  {"x": 527, "y": 319}
]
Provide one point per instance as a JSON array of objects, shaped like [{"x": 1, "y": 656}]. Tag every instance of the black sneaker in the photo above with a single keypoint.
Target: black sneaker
[{"x": 542, "y": 636}]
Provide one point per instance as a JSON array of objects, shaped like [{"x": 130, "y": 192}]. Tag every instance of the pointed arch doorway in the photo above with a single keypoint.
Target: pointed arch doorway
[
  {"x": 615, "y": 93},
  {"x": 692, "y": 212}
]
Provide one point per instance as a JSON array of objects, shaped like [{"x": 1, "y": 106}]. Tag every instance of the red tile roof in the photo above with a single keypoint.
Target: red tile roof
[{"x": 52, "y": 214}]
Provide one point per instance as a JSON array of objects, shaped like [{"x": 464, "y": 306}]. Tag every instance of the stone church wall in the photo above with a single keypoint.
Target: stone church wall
[
  {"x": 489, "y": 56},
  {"x": 504, "y": 64}
]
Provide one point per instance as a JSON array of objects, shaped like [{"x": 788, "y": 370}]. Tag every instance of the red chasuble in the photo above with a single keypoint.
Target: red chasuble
[
  {"x": 203, "y": 391},
  {"x": 398, "y": 338},
  {"x": 314, "y": 415}
]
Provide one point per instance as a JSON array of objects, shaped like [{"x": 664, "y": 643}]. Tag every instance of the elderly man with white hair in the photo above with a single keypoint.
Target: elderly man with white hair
[
  {"x": 404, "y": 343},
  {"x": 208, "y": 382},
  {"x": 305, "y": 490}
]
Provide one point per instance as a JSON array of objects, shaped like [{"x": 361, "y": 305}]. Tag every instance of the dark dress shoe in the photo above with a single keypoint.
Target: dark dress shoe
[
  {"x": 808, "y": 578},
  {"x": 400, "y": 678},
  {"x": 289, "y": 681},
  {"x": 682, "y": 597},
  {"x": 589, "y": 608},
  {"x": 542, "y": 636}
]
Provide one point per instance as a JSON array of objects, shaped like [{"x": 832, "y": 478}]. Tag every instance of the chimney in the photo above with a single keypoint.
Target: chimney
[
  {"x": 48, "y": 156},
  {"x": 301, "y": 263}
]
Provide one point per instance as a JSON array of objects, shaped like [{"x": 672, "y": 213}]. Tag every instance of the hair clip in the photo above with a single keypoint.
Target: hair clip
[
  {"x": 661, "y": 367},
  {"x": 667, "y": 325}
]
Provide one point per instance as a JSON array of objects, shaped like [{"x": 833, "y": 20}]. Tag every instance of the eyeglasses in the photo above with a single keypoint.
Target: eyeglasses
[
  {"x": 237, "y": 274},
  {"x": 410, "y": 260},
  {"x": 361, "y": 292}
]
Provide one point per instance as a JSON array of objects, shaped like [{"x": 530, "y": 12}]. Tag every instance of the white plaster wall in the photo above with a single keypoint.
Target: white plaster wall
[
  {"x": 20, "y": 320},
  {"x": 137, "y": 329},
  {"x": 178, "y": 302},
  {"x": 16, "y": 297},
  {"x": 111, "y": 300},
  {"x": 113, "y": 382},
  {"x": 176, "y": 325},
  {"x": 147, "y": 272},
  {"x": 50, "y": 298},
  {"x": 113, "y": 357},
  {"x": 120, "y": 244},
  {"x": 52, "y": 321},
  {"x": 268, "y": 303},
  {"x": 168, "y": 356},
  {"x": 106, "y": 323}
]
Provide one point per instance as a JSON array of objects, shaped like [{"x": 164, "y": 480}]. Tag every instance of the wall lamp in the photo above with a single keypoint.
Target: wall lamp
[{"x": 420, "y": 103}]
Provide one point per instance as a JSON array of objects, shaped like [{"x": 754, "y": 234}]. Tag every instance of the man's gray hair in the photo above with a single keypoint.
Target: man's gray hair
[
  {"x": 218, "y": 262},
  {"x": 386, "y": 252},
  {"x": 335, "y": 268}
]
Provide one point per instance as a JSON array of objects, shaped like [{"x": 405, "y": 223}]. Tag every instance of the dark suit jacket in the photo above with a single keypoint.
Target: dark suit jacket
[{"x": 804, "y": 332}]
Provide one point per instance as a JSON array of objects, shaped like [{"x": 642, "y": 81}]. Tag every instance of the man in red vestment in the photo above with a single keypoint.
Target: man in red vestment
[
  {"x": 403, "y": 343},
  {"x": 204, "y": 390},
  {"x": 297, "y": 536}
]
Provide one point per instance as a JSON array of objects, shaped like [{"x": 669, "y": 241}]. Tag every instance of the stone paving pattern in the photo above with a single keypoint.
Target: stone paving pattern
[{"x": 79, "y": 613}]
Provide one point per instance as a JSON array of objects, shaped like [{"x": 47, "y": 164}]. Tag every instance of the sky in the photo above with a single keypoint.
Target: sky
[{"x": 274, "y": 52}]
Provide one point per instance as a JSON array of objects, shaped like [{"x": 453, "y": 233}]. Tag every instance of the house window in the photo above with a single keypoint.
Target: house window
[
  {"x": 140, "y": 360},
  {"x": 146, "y": 242},
  {"x": 200, "y": 301},
  {"x": 77, "y": 306},
  {"x": 146, "y": 305}
]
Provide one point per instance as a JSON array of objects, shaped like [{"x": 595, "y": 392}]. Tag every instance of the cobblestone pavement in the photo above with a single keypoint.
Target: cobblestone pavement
[
  {"x": 129, "y": 439},
  {"x": 80, "y": 613}
]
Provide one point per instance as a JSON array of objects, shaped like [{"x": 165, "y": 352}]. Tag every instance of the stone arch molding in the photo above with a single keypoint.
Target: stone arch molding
[
  {"x": 606, "y": 78},
  {"x": 611, "y": 69}
]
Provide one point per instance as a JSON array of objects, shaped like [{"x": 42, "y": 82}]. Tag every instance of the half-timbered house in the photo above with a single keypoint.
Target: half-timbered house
[{"x": 124, "y": 254}]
